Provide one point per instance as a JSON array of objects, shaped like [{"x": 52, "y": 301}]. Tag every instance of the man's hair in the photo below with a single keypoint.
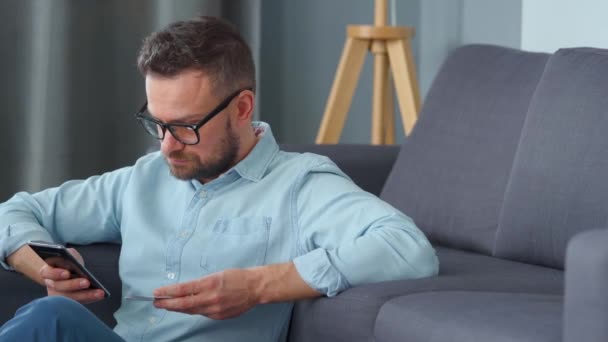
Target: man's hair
[{"x": 209, "y": 44}]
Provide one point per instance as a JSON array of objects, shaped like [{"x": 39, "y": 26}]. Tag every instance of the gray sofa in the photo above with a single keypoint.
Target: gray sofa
[{"x": 504, "y": 169}]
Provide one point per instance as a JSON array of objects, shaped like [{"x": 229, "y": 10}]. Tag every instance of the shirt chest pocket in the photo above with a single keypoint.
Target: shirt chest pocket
[{"x": 236, "y": 243}]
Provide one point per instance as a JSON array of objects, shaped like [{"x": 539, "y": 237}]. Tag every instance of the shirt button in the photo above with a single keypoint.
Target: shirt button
[
  {"x": 171, "y": 275},
  {"x": 152, "y": 320},
  {"x": 202, "y": 194},
  {"x": 183, "y": 233}
]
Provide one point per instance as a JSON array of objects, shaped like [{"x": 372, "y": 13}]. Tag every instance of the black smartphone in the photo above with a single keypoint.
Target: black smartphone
[{"x": 58, "y": 256}]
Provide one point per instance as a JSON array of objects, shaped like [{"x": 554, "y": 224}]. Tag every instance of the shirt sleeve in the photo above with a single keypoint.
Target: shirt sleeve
[
  {"x": 79, "y": 212},
  {"x": 348, "y": 237}
]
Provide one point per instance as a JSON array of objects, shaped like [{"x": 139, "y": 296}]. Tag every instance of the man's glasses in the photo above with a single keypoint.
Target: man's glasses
[{"x": 187, "y": 134}]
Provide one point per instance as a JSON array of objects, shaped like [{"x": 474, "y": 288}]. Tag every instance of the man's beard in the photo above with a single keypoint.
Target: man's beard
[{"x": 224, "y": 159}]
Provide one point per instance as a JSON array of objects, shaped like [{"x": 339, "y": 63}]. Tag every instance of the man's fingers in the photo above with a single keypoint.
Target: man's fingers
[
  {"x": 179, "y": 303},
  {"x": 186, "y": 289},
  {"x": 68, "y": 285},
  {"x": 87, "y": 296},
  {"x": 49, "y": 272},
  {"x": 58, "y": 283},
  {"x": 83, "y": 296},
  {"x": 218, "y": 296},
  {"x": 196, "y": 304},
  {"x": 177, "y": 290}
]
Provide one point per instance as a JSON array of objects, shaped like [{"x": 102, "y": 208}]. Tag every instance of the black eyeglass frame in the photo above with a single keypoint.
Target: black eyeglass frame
[{"x": 140, "y": 116}]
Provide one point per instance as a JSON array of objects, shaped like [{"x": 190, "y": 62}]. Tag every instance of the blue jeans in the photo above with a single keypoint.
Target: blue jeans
[{"x": 56, "y": 319}]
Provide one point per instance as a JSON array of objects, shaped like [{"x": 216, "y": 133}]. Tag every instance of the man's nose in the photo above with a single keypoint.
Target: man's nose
[{"x": 170, "y": 144}]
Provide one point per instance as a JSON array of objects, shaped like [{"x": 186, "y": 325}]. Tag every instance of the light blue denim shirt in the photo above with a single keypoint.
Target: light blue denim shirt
[{"x": 272, "y": 207}]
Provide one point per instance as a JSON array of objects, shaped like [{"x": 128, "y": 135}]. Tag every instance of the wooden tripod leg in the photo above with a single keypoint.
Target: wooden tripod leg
[
  {"x": 342, "y": 90},
  {"x": 411, "y": 66},
  {"x": 403, "y": 83},
  {"x": 379, "y": 97},
  {"x": 389, "y": 114}
]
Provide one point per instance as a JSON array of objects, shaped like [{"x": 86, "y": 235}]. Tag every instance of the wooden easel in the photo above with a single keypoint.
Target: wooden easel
[{"x": 387, "y": 43}]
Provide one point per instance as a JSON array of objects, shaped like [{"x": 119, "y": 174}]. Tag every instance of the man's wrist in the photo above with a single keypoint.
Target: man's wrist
[
  {"x": 259, "y": 280},
  {"x": 278, "y": 283},
  {"x": 24, "y": 260}
]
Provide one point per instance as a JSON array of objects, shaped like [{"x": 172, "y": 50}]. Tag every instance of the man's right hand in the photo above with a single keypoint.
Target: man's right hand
[
  {"x": 56, "y": 279},
  {"x": 58, "y": 283}
]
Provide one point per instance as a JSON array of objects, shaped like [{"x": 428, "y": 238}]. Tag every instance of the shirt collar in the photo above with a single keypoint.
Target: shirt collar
[{"x": 255, "y": 164}]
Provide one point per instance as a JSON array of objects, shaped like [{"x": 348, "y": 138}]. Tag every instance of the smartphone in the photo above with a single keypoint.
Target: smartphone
[{"x": 59, "y": 256}]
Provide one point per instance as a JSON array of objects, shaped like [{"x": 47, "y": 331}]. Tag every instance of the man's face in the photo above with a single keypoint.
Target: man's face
[{"x": 187, "y": 98}]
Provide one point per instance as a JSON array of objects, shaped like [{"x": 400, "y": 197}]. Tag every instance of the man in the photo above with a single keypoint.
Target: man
[{"x": 229, "y": 227}]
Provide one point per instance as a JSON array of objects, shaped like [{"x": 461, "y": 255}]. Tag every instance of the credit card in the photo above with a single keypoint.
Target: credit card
[{"x": 147, "y": 298}]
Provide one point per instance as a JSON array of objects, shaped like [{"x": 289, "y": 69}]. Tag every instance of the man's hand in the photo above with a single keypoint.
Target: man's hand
[
  {"x": 232, "y": 292},
  {"x": 221, "y": 295},
  {"x": 58, "y": 282}
]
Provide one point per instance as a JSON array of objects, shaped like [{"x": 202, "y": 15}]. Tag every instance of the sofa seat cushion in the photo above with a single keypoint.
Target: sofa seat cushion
[
  {"x": 331, "y": 318},
  {"x": 470, "y": 317}
]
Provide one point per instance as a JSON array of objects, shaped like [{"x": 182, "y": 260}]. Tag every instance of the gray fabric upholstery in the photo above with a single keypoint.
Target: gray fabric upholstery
[
  {"x": 470, "y": 317},
  {"x": 558, "y": 185},
  {"x": 17, "y": 290},
  {"x": 586, "y": 300},
  {"x": 451, "y": 173},
  {"x": 366, "y": 165},
  {"x": 330, "y": 319},
  {"x": 103, "y": 259}
]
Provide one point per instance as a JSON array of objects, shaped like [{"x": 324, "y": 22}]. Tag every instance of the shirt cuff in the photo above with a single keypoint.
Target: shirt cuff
[
  {"x": 15, "y": 236},
  {"x": 317, "y": 271},
  {"x": 6, "y": 266}
]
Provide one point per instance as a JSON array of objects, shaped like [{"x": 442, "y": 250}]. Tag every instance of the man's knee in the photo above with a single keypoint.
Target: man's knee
[
  {"x": 51, "y": 302},
  {"x": 44, "y": 319},
  {"x": 52, "y": 309}
]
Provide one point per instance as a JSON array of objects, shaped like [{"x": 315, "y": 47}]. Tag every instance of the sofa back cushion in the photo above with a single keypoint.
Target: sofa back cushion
[
  {"x": 558, "y": 185},
  {"x": 451, "y": 173}
]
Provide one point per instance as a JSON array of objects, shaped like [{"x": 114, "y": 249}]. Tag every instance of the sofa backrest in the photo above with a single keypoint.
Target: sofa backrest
[
  {"x": 558, "y": 185},
  {"x": 451, "y": 173}
]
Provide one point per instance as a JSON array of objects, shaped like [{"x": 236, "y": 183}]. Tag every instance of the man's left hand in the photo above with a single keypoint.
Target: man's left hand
[{"x": 221, "y": 295}]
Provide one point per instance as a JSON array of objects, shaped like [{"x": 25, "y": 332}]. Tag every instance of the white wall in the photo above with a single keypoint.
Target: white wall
[
  {"x": 548, "y": 25},
  {"x": 438, "y": 33},
  {"x": 496, "y": 22}
]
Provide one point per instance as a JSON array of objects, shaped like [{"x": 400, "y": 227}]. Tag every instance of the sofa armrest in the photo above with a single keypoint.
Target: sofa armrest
[
  {"x": 367, "y": 165},
  {"x": 586, "y": 288}
]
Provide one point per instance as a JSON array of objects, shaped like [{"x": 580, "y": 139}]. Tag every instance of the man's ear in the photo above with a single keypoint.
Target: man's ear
[{"x": 245, "y": 104}]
